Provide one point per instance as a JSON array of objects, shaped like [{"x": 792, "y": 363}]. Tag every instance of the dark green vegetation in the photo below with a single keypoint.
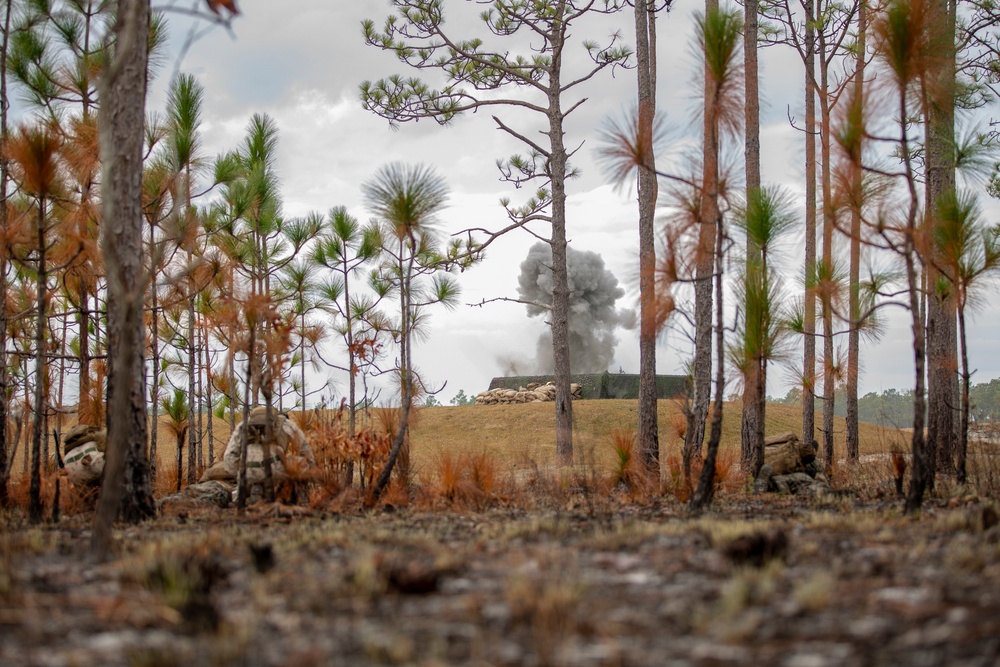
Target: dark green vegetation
[{"x": 893, "y": 408}]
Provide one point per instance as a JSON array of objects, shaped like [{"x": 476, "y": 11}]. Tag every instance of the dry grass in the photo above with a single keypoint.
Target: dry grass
[
  {"x": 475, "y": 456},
  {"x": 517, "y": 434}
]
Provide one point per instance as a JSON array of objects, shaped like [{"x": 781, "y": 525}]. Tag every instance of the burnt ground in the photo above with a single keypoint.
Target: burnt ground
[{"x": 757, "y": 581}]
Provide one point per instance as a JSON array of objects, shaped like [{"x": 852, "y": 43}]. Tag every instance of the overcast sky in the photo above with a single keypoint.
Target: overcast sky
[{"x": 301, "y": 62}]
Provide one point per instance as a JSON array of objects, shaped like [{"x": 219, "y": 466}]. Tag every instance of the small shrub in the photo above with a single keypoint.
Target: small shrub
[
  {"x": 629, "y": 469},
  {"x": 465, "y": 480}
]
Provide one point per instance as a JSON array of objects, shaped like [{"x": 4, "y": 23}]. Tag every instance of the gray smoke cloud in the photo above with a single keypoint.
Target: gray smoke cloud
[{"x": 593, "y": 317}]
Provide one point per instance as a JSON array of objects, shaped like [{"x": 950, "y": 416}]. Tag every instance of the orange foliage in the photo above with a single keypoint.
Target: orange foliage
[
  {"x": 228, "y": 5},
  {"x": 465, "y": 481}
]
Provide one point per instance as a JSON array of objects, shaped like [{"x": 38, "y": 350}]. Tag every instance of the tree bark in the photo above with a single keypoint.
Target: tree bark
[
  {"x": 127, "y": 489},
  {"x": 192, "y": 390},
  {"x": 706, "y": 484},
  {"x": 405, "y": 376},
  {"x": 809, "y": 319},
  {"x": 829, "y": 362},
  {"x": 560, "y": 272},
  {"x": 854, "y": 305},
  {"x": 41, "y": 369},
  {"x": 210, "y": 429},
  {"x": 942, "y": 366},
  {"x": 4, "y": 178},
  {"x": 154, "y": 393},
  {"x": 647, "y": 434},
  {"x": 704, "y": 269},
  {"x": 755, "y": 382},
  {"x": 963, "y": 439}
]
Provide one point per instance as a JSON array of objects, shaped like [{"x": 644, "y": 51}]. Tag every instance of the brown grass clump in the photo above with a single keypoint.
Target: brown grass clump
[
  {"x": 72, "y": 500},
  {"x": 465, "y": 481},
  {"x": 166, "y": 480},
  {"x": 629, "y": 470},
  {"x": 984, "y": 466},
  {"x": 339, "y": 455}
]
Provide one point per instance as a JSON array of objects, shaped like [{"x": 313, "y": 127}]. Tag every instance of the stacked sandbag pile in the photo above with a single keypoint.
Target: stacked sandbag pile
[
  {"x": 785, "y": 453},
  {"x": 214, "y": 489},
  {"x": 533, "y": 393},
  {"x": 83, "y": 454},
  {"x": 790, "y": 466}
]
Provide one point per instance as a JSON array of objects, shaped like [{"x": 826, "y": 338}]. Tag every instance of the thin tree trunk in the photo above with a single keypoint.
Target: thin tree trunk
[
  {"x": 127, "y": 488},
  {"x": 5, "y": 458},
  {"x": 854, "y": 305},
  {"x": 302, "y": 348},
  {"x": 209, "y": 399},
  {"x": 942, "y": 366},
  {"x": 922, "y": 459},
  {"x": 706, "y": 484},
  {"x": 192, "y": 391},
  {"x": 233, "y": 399},
  {"x": 201, "y": 400},
  {"x": 753, "y": 412},
  {"x": 704, "y": 263},
  {"x": 41, "y": 369},
  {"x": 352, "y": 408},
  {"x": 809, "y": 319},
  {"x": 560, "y": 275},
  {"x": 963, "y": 441},
  {"x": 154, "y": 393},
  {"x": 647, "y": 434},
  {"x": 405, "y": 380},
  {"x": 826, "y": 300}
]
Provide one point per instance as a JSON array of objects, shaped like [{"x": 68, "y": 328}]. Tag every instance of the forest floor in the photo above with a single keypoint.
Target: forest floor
[{"x": 583, "y": 577}]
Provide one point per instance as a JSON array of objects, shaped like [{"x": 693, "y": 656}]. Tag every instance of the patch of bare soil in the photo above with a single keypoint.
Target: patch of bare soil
[{"x": 758, "y": 582}]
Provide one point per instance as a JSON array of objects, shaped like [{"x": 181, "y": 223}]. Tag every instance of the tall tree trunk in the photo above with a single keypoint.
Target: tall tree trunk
[
  {"x": 5, "y": 460},
  {"x": 704, "y": 262},
  {"x": 560, "y": 273},
  {"x": 302, "y": 353},
  {"x": 922, "y": 460},
  {"x": 233, "y": 398},
  {"x": 41, "y": 370},
  {"x": 192, "y": 390},
  {"x": 963, "y": 437},
  {"x": 200, "y": 389},
  {"x": 942, "y": 366},
  {"x": 352, "y": 407},
  {"x": 127, "y": 489},
  {"x": 648, "y": 436},
  {"x": 154, "y": 392},
  {"x": 809, "y": 319},
  {"x": 829, "y": 363},
  {"x": 210, "y": 430},
  {"x": 854, "y": 305},
  {"x": 706, "y": 484},
  {"x": 755, "y": 383},
  {"x": 405, "y": 379},
  {"x": 351, "y": 362}
]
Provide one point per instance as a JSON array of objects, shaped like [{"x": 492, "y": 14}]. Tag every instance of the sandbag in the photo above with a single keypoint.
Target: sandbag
[{"x": 85, "y": 464}]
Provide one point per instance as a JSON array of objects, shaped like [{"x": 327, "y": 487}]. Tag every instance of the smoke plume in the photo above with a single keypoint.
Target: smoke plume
[{"x": 593, "y": 317}]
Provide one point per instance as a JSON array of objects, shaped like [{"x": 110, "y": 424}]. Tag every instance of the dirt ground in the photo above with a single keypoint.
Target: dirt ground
[{"x": 760, "y": 580}]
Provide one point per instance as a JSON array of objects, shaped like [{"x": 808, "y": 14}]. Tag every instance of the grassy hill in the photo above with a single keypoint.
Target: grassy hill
[{"x": 525, "y": 434}]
